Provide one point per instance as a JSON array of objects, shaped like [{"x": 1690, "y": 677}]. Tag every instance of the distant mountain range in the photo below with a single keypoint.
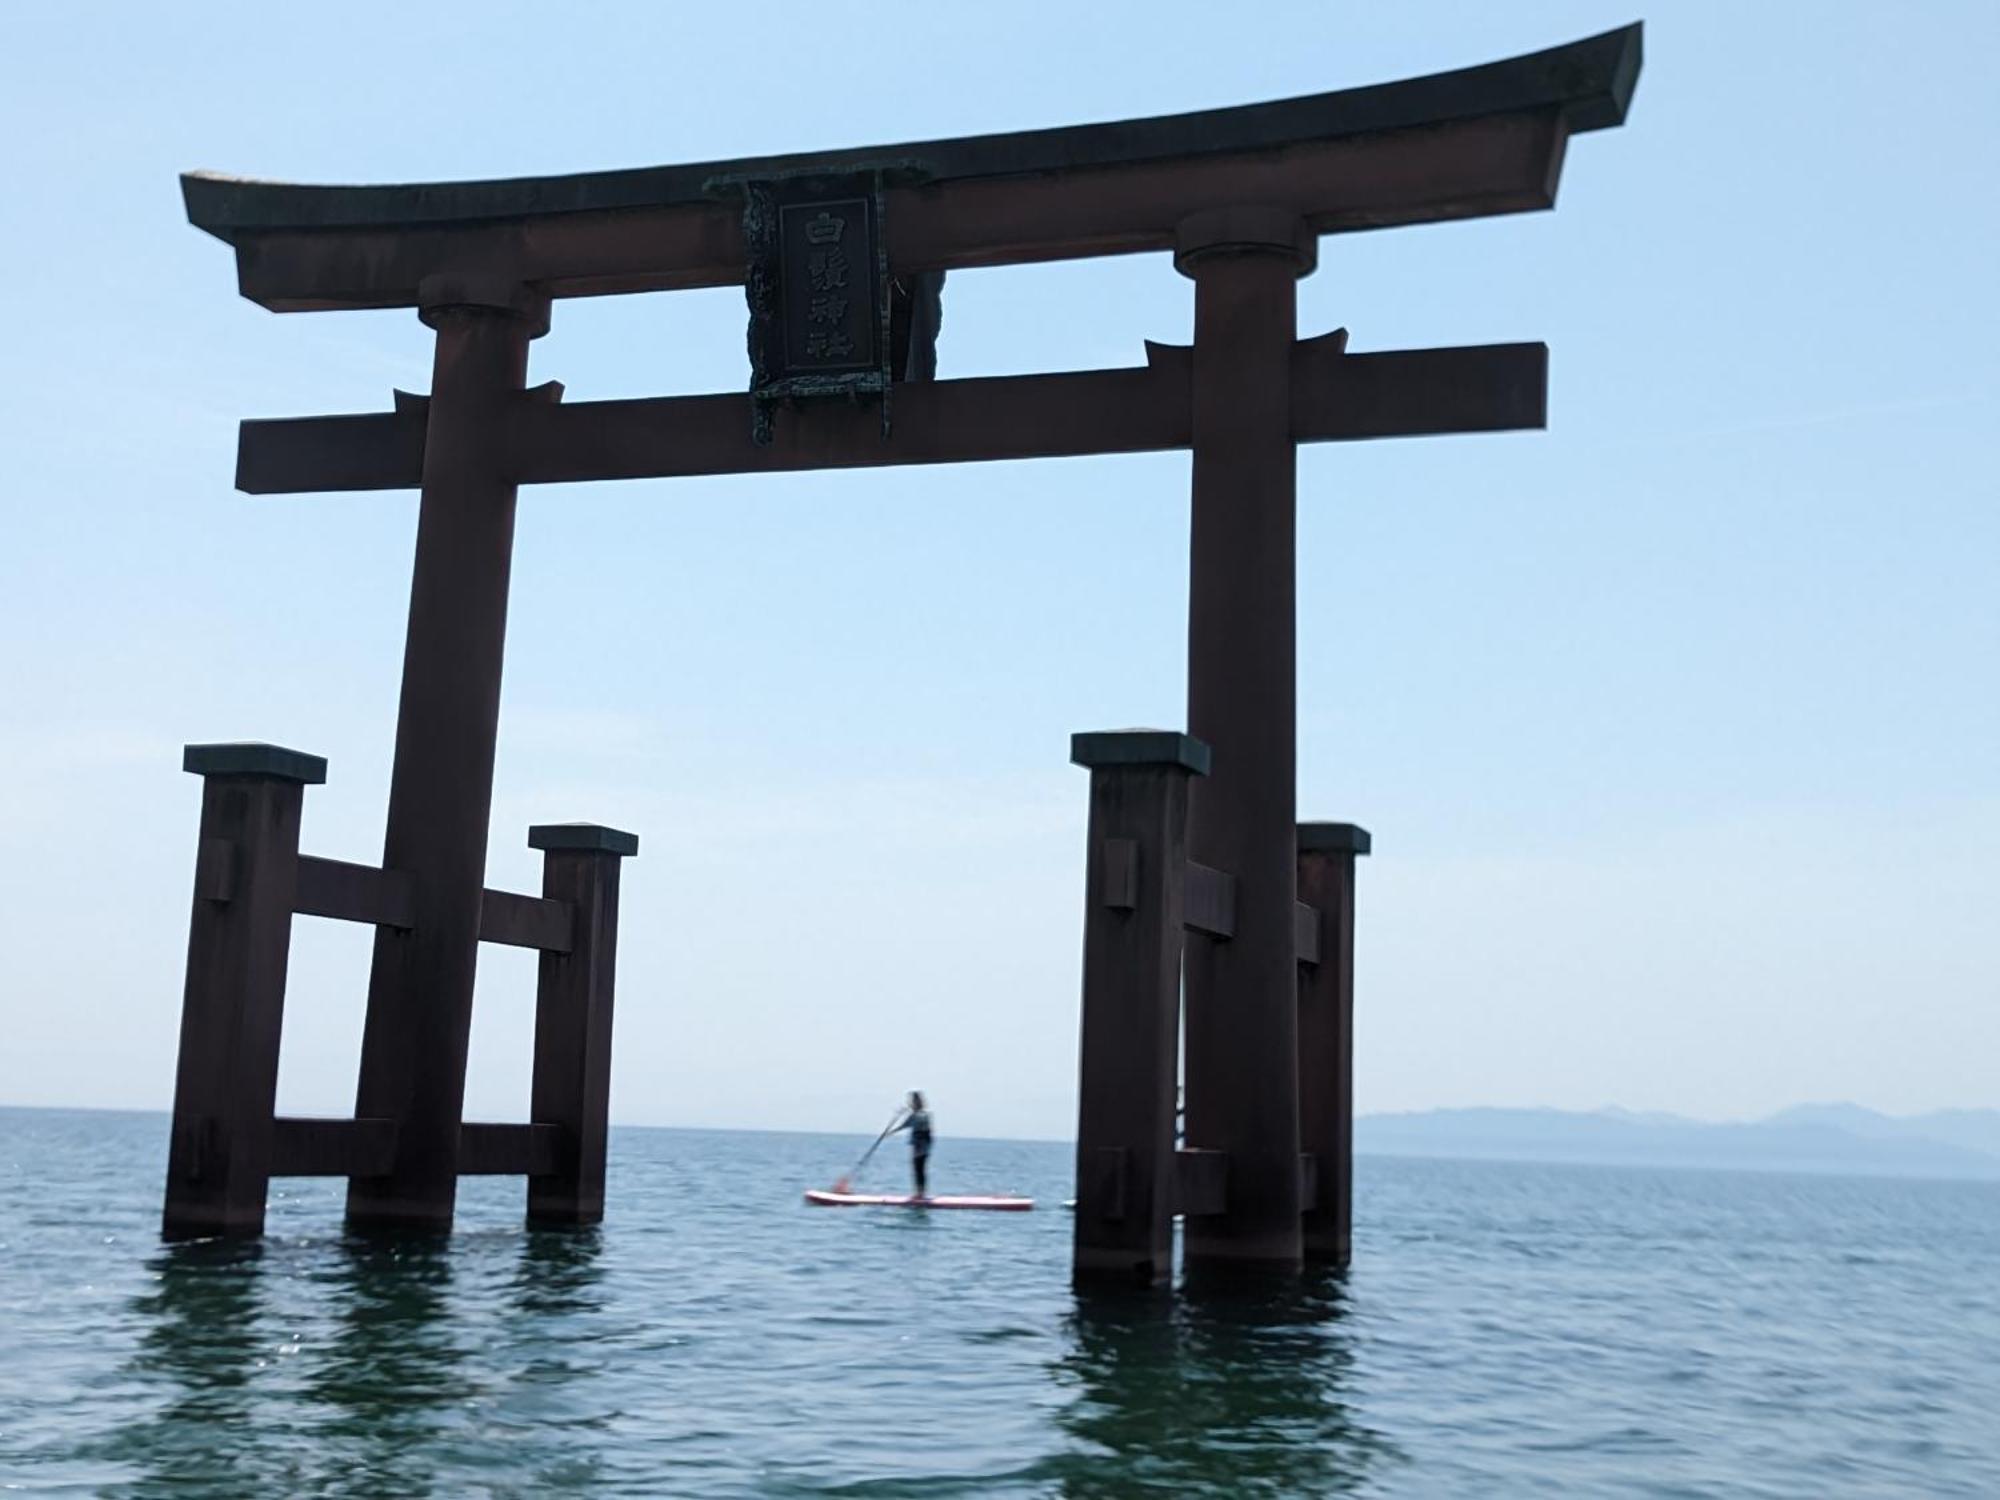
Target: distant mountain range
[{"x": 1805, "y": 1138}]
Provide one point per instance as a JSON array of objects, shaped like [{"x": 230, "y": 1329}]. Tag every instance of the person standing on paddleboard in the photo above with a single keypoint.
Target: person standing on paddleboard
[{"x": 918, "y": 1123}]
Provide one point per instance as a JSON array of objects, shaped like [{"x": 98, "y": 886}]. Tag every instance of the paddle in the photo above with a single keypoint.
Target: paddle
[{"x": 840, "y": 1183}]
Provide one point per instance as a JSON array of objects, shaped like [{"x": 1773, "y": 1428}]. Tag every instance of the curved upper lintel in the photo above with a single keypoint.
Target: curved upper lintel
[{"x": 1588, "y": 83}]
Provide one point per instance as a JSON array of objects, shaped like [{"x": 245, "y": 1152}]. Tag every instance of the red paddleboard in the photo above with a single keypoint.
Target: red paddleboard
[{"x": 826, "y": 1198}]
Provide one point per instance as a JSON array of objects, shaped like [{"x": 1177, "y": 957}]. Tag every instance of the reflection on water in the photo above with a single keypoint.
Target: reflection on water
[
  {"x": 432, "y": 1361},
  {"x": 383, "y": 1398},
  {"x": 203, "y": 1339},
  {"x": 392, "y": 1380},
  {"x": 1509, "y": 1331},
  {"x": 559, "y": 1274},
  {"x": 554, "y": 1304},
  {"x": 419, "y": 1366},
  {"x": 1240, "y": 1387}
]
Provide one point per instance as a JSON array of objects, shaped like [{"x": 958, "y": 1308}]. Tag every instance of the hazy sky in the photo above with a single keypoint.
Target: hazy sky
[{"x": 1676, "y": 725}]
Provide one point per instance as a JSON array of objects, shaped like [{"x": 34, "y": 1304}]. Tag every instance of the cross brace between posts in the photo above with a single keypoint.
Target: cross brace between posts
[
  {"x": 1144, "y": 894},
  {"x": 250, "y": 880}
]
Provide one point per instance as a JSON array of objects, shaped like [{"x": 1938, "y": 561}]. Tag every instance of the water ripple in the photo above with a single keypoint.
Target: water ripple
[{"x": 1508, "y": 1331}]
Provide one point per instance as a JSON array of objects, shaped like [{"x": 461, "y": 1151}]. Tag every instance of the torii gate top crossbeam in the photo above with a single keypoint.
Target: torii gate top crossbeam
[{"x": 1482, "y": 140}]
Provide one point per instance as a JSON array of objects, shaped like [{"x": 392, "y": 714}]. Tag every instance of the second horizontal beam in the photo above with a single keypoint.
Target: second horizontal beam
[{"x": 1336, "y": 396}]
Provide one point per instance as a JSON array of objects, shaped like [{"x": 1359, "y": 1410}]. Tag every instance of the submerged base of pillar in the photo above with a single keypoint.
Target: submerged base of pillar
[
  {"x": 1119, "y": 1268},
  {"x": 1331, "y": 1251},
  {"x": 1263, "y": 1251},
  {"x": 1208, "y": 1274},
  {"x": 228, "y": 1224},
  {"x": 399, "y": 1216},
  {"x": 563, "y": 1213}
]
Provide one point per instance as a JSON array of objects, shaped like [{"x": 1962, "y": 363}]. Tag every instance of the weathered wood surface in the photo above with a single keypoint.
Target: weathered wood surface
[
  {"x": 413, "y": 1046},
  {"x": 1201, "y": 1182},
  {"x": 1241, "y": 992},
  {"x": 525, "y": 921},
  {"x": 309, "y": 1147},
  {"x": 1210, "y": 902},
  {"x": 219, "y": 1157},
  {"x": 576, "y": 988},
  {"x": 1326, "y": 857},
  {"x": 354, "y": 893},
  {"x": 509, "y": 1150},
  {"x": 1133, "y": 916}
]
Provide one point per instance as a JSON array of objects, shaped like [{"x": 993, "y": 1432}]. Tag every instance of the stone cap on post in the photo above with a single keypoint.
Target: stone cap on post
[
  {"x": 582, "y": 838},
  {"x": 1334, "y": 838},
  {"x": 1098, "y": 749},
  {"x": 251, "y": 758}
]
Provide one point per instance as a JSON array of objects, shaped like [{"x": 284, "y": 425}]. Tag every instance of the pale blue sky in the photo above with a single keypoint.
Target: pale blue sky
[{"x": 1676, "y": 725}]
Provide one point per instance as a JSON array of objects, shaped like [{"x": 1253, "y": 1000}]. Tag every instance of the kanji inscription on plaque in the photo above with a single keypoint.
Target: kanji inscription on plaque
[
  {"x": 827, "y": 299},
  {"x": 818, "y": 289}
]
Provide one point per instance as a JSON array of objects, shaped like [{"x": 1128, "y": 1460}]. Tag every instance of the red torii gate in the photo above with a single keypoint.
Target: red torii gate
[{"x": 843, "y": 255}]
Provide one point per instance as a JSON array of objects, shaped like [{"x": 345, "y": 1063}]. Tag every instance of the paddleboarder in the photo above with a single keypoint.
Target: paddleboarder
[{"x": 917, "y": 1120}]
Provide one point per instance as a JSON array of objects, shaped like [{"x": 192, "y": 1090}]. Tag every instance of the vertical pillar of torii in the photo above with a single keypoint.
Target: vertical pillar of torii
[
  {"x": 413, "y": 1048},
  {"x": 1242, "y": 994},
  {"x": 1327, "y": 852}
]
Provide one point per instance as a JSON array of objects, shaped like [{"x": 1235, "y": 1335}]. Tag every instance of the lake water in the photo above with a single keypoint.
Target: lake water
[{"x": 1505, "y": 1330}]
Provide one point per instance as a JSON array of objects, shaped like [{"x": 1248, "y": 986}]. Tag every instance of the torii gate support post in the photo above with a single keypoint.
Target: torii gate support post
[
  {"x": 1125, "y": 1157},
  {"x": 1327, "y": 852},
  {"x": 413, "y": 1049},
  {"x": 572, "y": 1079},
  {"x": 239, "y": 943},
  {"x": 1242, "y": 994}
]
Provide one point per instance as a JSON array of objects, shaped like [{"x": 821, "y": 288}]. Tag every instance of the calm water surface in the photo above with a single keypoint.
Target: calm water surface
[{"x": 1506, "y": 1330}]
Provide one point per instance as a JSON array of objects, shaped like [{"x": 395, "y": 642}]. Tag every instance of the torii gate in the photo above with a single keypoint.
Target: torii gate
[{"x": 843, "y": 256}]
